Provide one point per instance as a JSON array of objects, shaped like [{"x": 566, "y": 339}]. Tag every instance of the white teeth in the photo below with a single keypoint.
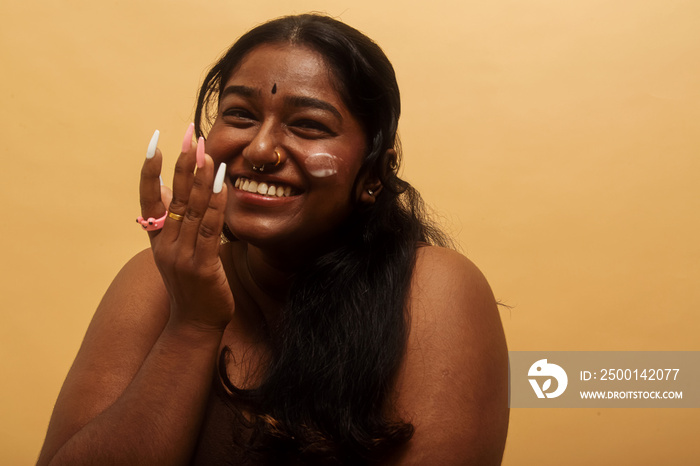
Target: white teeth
[{"x": 265, "y": 189}]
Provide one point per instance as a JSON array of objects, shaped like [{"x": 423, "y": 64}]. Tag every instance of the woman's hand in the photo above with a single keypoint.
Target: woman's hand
[{"x": 186, "y": 250}]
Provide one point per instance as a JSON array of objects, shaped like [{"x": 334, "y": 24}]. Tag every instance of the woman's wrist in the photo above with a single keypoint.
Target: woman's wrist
[{"x": 193, "y": 331}]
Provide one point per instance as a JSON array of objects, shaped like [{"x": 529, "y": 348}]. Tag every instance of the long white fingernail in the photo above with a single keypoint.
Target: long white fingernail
[
  {"x": 152, "y": 145},
  {"x": 160, "y": 178},
  {"x": 219, "y": 179}
]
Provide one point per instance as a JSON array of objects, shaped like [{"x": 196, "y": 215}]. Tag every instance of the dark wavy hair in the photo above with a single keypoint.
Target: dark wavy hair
[{"x": 326, "y": 394}]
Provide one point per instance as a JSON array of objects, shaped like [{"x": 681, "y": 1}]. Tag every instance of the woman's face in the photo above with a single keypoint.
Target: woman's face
[{"x": 282, "y": 98}]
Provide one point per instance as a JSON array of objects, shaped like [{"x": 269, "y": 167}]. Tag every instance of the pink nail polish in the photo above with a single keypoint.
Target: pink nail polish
[
  {"x": 187, "y": 142},
  {"x": 200, "y": 152}
]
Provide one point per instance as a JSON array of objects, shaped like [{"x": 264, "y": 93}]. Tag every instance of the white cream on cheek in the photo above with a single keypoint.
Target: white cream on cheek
[{"x": 321, "y": 165}]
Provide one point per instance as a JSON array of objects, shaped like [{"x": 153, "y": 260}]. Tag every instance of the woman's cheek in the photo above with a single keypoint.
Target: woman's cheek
[
  {"x": 321, "y": 165},
  {"x": 223, "y": 147}
]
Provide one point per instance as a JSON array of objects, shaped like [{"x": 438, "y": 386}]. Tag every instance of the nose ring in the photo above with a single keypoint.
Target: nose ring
[
  {"x": 279, "y": 157},
  {"x": 261, "y": 168}
]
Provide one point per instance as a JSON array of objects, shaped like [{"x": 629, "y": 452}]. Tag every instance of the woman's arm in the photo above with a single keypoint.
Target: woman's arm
[
  {"x": 453, "y": 385},
  {"x": 136, "y": 391},
  {"x": 138, "y": 388}
]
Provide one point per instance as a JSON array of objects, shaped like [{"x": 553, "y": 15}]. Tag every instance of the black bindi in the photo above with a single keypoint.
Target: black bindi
[{"x": 274, "y": 88}]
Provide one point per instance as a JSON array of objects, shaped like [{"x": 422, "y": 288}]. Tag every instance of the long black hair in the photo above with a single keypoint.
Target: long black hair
[{"x": 326, "y": 395}]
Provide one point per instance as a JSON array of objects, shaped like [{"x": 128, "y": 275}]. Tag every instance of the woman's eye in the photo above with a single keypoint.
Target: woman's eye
[
  {"x": 238, "y": 116},
  {"x": 312, "y": 127}
]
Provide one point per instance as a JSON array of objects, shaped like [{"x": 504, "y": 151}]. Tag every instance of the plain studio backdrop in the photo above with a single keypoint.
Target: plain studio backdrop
[{"x": 556, "y": 140}]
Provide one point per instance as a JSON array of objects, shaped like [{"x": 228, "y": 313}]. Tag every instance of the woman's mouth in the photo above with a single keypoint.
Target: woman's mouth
[{"x": 263, "y": 188}]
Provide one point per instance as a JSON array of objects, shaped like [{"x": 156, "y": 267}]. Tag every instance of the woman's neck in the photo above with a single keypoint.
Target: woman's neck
[
  {"x": 267, "y": 275},
  {"x": 265, "y": 280}
]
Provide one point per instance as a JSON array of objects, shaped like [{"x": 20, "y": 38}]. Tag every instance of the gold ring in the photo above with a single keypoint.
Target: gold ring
[
  {"x": 175, "y": 216},
  {"x": 279, "y": 157}
]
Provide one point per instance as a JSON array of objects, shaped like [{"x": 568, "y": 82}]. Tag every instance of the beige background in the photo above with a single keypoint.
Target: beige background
[{"x": 558, "y": 140}]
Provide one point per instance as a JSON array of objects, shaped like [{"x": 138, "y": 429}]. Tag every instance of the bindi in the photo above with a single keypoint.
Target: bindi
[{"x": 274, "y": 88}]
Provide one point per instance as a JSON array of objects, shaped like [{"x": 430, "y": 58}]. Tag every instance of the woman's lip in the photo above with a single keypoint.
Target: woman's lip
[{"x": 265, "y": 178}]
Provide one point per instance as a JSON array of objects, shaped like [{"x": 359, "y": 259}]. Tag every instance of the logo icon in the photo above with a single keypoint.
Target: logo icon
[{"x": 542, "y": 369}]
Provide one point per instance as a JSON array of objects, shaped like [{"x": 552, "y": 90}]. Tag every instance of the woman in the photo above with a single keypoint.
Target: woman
[{"x": 328, "y": 330}]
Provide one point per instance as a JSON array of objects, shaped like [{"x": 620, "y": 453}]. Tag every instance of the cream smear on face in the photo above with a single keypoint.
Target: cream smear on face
[{"x": 321, "y": 165}]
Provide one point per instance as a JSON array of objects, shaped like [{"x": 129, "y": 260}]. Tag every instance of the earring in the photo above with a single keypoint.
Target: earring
[{"x": 370, "y": 192}]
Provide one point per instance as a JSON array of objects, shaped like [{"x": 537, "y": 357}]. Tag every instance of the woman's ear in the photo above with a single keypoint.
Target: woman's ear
[
  {"x": 371, "y": 184},
  {"x": 370, "y": 190}
]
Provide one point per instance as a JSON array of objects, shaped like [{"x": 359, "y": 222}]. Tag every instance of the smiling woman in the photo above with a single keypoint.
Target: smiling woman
[
  {"x": 333, "y": 327},
  {"x": 304, "y": 117}
]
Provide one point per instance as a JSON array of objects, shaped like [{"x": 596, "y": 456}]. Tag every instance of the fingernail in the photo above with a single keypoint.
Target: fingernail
[
  {"x": 187, "y": 142},
  {"x": 200, "y": 152},
  {"x": 152, "y": 145},
  {"x": 160, "y": 178},
  {"x": 219, "y": 180}
]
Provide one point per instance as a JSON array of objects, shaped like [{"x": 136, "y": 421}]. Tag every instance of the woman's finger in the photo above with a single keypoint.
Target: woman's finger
[
  {"x": 198, "y": 201},
  {"x": 149, "y": 185},
  {"x": 209, "y": 233},
  {"x": 182, "y": 184}
]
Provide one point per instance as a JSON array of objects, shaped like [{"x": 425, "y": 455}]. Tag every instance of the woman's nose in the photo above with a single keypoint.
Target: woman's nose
[{"x": 264, "y": 152}]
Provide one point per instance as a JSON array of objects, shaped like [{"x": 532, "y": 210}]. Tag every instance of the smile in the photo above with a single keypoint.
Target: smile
[{"x": 262, "y": 188}]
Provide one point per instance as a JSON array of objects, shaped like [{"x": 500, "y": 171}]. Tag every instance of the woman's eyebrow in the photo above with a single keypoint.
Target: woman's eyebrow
[
  {"x": 303, "y": 101},
  {"x": 294, "y": 101},
  {"x": 243, "y": 91}
]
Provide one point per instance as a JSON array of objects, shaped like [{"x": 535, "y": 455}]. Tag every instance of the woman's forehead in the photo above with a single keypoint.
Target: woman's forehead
[{"x": 283, "y": 64}]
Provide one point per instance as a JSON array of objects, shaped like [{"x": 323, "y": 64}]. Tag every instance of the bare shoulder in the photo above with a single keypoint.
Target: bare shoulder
[
  {"x": 441, "y": 270},
  {"x": 451, "y": 301},
  {"x": 453, "y": 385},
  {"x": 132, "y": 311},
  {"x": 125, "y": 325},
  {"x": 128, "y": 320}
]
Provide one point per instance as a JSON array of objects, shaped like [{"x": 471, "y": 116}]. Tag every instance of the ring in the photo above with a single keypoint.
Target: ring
[
  {"x": 152, "y": 224},
  {"x": 258, "y": 169},
  {"x": 279, "y": 157},
  {"x": 175, "y": 216}
]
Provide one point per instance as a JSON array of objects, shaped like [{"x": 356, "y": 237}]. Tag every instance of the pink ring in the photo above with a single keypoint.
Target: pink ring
[{"x": 152, "y": 224}]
